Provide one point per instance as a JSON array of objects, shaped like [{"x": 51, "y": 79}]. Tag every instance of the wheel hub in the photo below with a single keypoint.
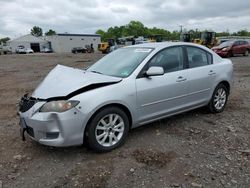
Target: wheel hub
[
  {"x": 109, "y": 130},
  {"x": 220, "y": 99}
]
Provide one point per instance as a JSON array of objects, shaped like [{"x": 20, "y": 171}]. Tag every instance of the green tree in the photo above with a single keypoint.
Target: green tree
[
  {"x": 243, "y": 32},
  {"x": 36, "y": 31},
  {"x": 222, "y": 34},
  {"x": 136, "y": 28},
  {"x": 50, "y": 32},
  {"x": 101, "y": 33},
  {"x": 4, "y": 40}
]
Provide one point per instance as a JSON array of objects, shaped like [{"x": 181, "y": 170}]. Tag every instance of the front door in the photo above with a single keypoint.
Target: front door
[{"x": 162, "y": 95}]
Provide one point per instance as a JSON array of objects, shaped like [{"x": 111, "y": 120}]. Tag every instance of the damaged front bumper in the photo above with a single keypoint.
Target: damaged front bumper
[{"x": 50, "y": 128}]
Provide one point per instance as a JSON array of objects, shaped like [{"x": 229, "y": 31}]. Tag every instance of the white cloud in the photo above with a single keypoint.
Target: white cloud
[{"x": 79, "y": 16}]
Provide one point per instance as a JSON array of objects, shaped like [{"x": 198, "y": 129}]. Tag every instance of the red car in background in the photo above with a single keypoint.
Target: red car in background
[{"x": 232, "y": 47}]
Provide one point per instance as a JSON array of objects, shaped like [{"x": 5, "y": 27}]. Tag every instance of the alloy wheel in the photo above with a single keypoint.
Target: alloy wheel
[
  {"x": 109, "y": 130},
  {"x": 220, "y": 99}
]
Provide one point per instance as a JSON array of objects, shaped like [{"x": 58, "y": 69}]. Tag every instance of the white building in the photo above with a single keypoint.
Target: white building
[
  {"x": 28, "y": 41},
  {"x": 58, "y": 43},
  {"x": 65, "y": 42}
]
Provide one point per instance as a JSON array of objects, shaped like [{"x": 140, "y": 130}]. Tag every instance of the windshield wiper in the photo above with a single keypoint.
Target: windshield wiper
[{"x": 96, "y": 72}]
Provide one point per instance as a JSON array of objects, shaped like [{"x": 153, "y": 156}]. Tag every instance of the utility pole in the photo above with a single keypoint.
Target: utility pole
[{"x": 181, "y": 26}]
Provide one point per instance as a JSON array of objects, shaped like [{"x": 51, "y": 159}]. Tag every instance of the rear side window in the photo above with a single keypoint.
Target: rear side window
[
  {"x": 170, "y": 59},
  {"x": 198, "y": 57}
]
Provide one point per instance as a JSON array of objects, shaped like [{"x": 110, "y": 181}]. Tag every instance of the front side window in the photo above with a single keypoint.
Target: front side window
[
  {"x": 170, "y": 59},
  {"x": 121, "y": 62},
  {"x": 237, "y": 43},
  {"x": 198, "y": 57}
]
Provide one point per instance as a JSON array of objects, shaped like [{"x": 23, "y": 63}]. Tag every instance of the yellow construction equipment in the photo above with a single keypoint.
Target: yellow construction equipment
[
  {"x": 105, "y": 47},
  {"x": 155, "y": 38},
  {"x": 208, "y": 39}
]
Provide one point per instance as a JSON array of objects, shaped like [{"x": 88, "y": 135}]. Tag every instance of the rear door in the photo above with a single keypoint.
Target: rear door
[
  {"x": 243, "y": 47},
  {"x": 161, "y": 95},
  {"x": 201, "y": 76}
]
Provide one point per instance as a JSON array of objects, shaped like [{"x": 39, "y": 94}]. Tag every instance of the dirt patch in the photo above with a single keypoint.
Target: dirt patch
[
  {"x": 82, "y": 61},
  {"x": 89, "y": 178},
  {"x": 154, "y": 158}
]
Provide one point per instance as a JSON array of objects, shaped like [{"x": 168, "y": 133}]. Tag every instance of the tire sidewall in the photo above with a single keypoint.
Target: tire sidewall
[
  {"x": 92, "y": 142},
  {"x": 230, "y": 54},
  {"x": 211, "y": 104},
  {"x": 246, "y": 53}
]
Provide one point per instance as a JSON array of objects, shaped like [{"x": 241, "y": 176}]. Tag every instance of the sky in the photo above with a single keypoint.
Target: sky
[{"x": 17, "y": 17}]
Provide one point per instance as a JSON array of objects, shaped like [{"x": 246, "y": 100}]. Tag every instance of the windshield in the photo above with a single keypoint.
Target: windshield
[
  {"x": 226, "y": 44},
  {"x": 121, "y": 62}
]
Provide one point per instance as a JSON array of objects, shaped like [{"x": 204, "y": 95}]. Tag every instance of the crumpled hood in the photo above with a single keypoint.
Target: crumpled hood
[{"x": 63, "y": 81}]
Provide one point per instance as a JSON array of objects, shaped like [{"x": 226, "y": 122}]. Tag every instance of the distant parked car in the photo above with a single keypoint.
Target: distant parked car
[
  {"x": 5, "y": 49},
  {"x": 23, "y": 50},
  {"x": 78, "y": 50},
  {"x": 20, "y": 50},
  {"x": 141, "y": 41},
  {"x": 127, "y": 88},
  {"x": 232, "y": 47},
  {"x": 29, "y": 51},
  {"x": 46, "y": 50}
]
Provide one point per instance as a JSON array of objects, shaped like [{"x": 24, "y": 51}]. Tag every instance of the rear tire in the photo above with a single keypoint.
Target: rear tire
[
  {"x": 219, "y": 99},
  {"x": 107, "y": 130}
]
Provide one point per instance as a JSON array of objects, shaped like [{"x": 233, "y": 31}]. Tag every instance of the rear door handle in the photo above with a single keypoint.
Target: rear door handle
[
  {"x": 211, "y": 72},
  {"x": 181, "y": 79}
]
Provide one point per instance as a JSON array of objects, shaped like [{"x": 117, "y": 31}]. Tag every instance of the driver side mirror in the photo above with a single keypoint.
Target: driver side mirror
[{"x": 154, "y": 71}]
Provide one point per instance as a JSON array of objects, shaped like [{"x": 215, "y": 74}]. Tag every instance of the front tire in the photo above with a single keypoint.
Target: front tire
[
  {"x": 108, "y": 129},
  {"x": 246, "y": 53},
  {"x": 230, "y": 54},
  {"x": 219, "y": 99}
]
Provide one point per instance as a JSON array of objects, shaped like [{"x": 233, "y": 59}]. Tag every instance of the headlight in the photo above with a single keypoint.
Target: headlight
[
  {"x": 224, "y": 49},
  {"x": 58, "y": 106}
]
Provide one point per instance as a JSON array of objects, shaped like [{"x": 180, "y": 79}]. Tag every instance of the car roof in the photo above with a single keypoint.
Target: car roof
[{"x": 160, "y": 45}]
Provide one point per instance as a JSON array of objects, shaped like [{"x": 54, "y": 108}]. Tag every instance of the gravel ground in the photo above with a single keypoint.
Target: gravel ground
[{"x": 194, "y": 149}]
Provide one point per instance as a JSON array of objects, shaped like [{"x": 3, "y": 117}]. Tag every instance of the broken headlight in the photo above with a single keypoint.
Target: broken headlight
[{"x": 58, "y": 106}]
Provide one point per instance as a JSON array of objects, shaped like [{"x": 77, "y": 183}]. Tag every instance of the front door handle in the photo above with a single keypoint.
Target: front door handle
[
  {"x": 181, "y": 79},
  {"x": 211, "y": 72}
]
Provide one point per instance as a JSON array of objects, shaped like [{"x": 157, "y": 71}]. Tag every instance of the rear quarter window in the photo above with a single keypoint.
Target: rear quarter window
[{"x": 198, "y": 57}]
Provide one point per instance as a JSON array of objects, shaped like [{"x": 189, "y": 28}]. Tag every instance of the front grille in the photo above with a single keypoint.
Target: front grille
[
  {"x": 26, "y": 103},
  {"x": 30, "y": 131}
]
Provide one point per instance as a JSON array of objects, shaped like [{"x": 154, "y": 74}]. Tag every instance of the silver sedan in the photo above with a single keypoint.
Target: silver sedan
[{"x": 129, "y": 87}]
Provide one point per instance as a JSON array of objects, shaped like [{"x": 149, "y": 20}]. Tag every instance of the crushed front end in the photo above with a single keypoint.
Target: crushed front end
[{"x": 50, "y": 128}]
